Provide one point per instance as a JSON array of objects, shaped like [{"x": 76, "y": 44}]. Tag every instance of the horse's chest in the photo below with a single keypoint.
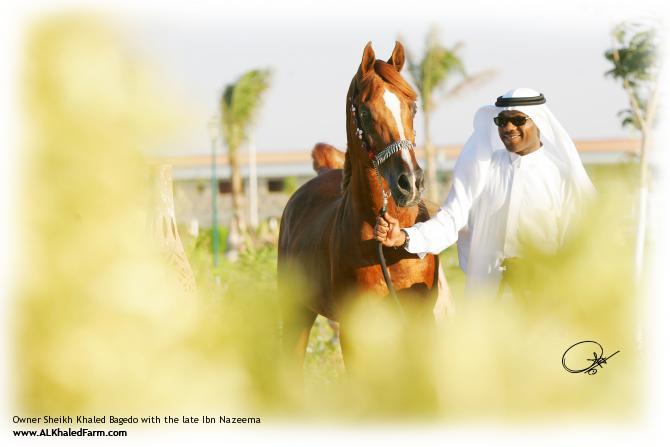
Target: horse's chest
[{"x": 405, "y": 274}]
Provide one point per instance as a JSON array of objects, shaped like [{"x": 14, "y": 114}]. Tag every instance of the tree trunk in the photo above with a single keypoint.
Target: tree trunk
[
  {"x": 237, "y": 222},
  {"x": 214, "y": 186},
  {"x": 642, "y": 208},
  {"x": 645, "y": 127},
  {"x": 431, "y": 162},
  {"x": 253, "y": 184}
]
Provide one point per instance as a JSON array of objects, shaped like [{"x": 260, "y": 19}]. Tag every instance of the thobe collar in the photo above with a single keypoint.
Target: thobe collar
[{"x": 524, "y": 160}]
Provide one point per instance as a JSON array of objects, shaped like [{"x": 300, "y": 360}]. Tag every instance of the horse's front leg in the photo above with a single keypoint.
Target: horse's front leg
[{"x": 297, "y": 323}]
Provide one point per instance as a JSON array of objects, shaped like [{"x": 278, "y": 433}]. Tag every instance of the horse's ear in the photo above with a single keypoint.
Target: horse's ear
[
  {"x": 368, "y": 61},
  {"x": 397, "y": 58}
]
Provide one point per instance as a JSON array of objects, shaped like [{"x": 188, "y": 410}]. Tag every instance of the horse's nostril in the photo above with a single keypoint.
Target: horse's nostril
[
  {"x": 403, "y": 182},
  {"x": 419, "y": 182}
]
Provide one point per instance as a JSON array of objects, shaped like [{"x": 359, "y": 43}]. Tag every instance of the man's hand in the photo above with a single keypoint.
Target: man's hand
[{"x": 387, "y": 231}]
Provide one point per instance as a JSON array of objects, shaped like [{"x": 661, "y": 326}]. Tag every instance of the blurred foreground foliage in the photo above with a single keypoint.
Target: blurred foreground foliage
[{"x": 102, "y": 327}]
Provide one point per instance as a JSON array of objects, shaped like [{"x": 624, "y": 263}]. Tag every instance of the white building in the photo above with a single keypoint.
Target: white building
[{"x": 280, "y": 173}]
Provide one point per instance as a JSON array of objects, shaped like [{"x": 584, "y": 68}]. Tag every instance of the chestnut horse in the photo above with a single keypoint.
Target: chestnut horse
[{"x": 327, "y": 228}]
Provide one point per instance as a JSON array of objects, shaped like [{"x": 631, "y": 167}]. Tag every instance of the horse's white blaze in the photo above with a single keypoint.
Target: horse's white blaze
[{"x": 393, "y": 104}]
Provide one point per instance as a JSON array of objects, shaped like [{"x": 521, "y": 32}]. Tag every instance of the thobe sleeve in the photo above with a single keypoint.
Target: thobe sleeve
[
  {"x": 568, "y": 211},
  {"x": 441, "y": 231}
]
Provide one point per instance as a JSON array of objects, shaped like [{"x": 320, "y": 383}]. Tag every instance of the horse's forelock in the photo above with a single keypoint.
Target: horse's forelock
[
  {"x": 390, "y": 75},
  {"x": 367, "y": 87}
]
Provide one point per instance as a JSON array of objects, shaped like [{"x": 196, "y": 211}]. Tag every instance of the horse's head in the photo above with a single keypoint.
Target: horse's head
[{"x": 380, "y": 116}]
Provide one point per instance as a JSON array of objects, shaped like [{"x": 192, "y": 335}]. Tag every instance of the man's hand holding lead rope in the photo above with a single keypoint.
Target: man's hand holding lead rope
[{"x": 388, "y": 232}]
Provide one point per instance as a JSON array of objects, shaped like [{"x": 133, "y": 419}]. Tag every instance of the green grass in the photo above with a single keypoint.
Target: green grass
[{"x": 255, "y": 274}]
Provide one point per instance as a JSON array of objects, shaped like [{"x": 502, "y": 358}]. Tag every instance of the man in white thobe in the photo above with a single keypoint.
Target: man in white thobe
[{"x": 519, "y": 180}]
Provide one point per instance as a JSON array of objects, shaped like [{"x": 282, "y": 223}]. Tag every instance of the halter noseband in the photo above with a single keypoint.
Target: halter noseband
[{"x": 389, "y": 150}]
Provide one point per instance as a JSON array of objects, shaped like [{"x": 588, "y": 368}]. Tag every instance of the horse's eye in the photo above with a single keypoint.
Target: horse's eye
[
  {"x": 414, "y": 109},
  {"x": 365, "y": 115}
]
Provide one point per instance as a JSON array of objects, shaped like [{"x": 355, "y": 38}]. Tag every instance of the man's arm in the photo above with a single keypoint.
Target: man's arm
[{"x": 441, "y": 231}]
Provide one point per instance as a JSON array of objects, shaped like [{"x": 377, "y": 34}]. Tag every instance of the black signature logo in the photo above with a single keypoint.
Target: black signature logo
[{"x": 583, "y": 349}]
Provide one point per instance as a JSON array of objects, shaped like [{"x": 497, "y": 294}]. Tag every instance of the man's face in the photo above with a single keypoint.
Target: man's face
[{"x": 520, "y": 139}]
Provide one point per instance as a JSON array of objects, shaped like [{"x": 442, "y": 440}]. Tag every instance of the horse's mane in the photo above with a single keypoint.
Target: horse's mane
[
  {"x": 346, "y": 172},
  {"x": 365, "y": 86}
]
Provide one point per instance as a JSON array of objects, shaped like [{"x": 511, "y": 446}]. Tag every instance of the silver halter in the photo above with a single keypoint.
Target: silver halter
[{"x": 391, "y": 149}]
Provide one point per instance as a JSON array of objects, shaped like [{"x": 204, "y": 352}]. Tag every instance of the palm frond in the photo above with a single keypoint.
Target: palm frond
[
  {"x": 634, "y": 57},
  {"x": 470, "y": 82},
  {"x": 628, "y": 119},
  {"x": 240, "y": 103},
  {"x": 635, "y": 64},
  {"x": 438, "y": 65}
]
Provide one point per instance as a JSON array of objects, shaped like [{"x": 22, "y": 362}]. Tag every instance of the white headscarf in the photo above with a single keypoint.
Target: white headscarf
[
  {"x": 555, "y": 140},
  {"x": 476, "y": 154}
]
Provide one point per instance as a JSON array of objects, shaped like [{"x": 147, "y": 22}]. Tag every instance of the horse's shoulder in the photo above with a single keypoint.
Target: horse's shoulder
[{"x": 427, "y": 209}]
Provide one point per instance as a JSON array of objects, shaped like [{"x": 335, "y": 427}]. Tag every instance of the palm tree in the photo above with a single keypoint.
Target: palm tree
[
  {"x": 633, "y": 56},
  {"x": 430, "y": 74},
  {"x": 240, "y": 103}
]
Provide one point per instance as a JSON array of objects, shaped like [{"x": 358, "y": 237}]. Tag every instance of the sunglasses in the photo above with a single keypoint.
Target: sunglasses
[{"x": 518, "y": 121}]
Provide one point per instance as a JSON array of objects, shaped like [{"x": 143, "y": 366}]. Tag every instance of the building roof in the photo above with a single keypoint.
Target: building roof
[{"x": 299, "y": 163}]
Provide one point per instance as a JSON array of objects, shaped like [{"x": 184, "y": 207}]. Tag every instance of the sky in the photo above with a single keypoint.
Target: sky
[{"x": 315, "y": 50}]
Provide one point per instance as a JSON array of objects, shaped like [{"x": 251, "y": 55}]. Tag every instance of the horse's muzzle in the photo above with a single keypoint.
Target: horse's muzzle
[{"x": 408, "y": 188}]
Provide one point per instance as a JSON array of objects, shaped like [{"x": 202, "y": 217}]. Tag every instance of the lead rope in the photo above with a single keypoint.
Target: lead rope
[{"x": 380, "y": 250}]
